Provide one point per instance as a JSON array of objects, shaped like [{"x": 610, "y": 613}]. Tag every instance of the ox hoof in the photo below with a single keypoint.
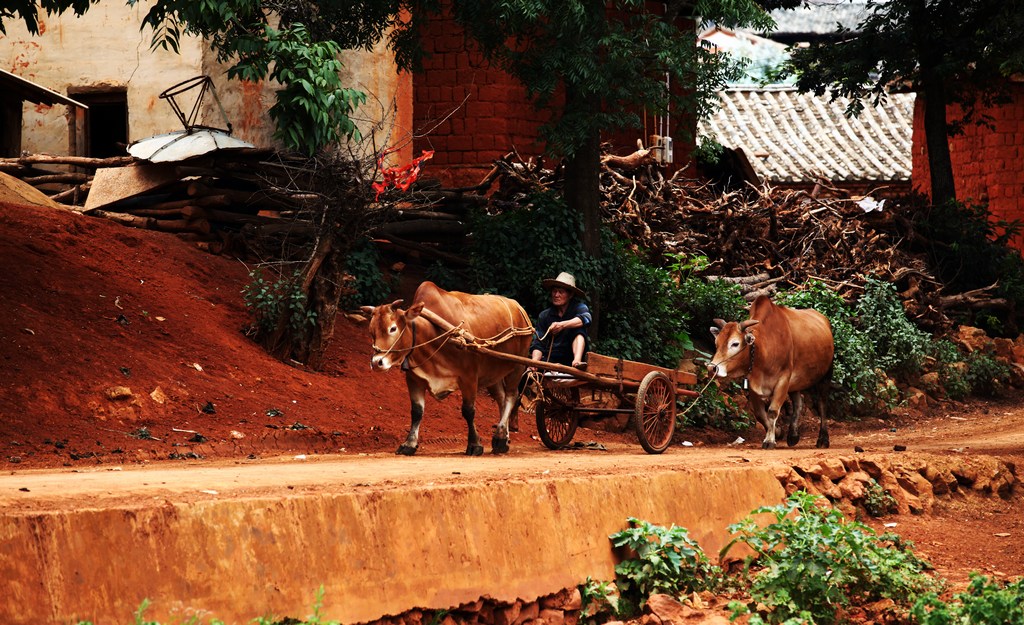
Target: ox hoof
[
  {"x": 499, "y": 445},
  {"x": 475, "y": 450},
  {"x": 822, "y": 442},
  {"x": 792, "y": 440},
  {"x": 767, "y": 445},
  {"x": 406, "y": 450}
]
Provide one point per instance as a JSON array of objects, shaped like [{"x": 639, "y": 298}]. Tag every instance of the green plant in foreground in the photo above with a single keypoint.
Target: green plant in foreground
[
  {"x": 985, "y": 602},
  {"x": 810, "y": 563},
  {"x": 666, "y": 561},
  {"x": 599, "y": 601}
]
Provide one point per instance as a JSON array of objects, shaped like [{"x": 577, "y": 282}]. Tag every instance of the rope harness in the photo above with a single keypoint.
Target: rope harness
[
  {"x": 750, "y": 365},
  {"x": 445, "y": 336}
]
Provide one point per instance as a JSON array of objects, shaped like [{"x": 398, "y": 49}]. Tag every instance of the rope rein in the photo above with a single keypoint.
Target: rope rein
[{"x": 465, "y": 337}]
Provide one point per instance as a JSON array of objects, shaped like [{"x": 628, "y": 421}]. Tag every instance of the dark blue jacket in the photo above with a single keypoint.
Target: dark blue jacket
[{"x": 561, "y": 351}]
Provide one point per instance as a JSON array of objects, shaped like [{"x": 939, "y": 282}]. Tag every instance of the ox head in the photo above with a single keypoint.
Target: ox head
[
  {"x": 732, "y": 356},
  {"x": 389, "y": 330}
]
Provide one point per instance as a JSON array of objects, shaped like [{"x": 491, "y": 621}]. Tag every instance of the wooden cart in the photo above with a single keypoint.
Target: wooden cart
[{"x": 646, "y": 392}]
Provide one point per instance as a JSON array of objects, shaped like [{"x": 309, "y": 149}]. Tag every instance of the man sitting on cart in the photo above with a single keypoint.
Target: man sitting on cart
[{"x": 561, "y": 330}]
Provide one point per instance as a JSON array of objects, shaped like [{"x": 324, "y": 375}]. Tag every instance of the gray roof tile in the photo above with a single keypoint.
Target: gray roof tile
[{"x": 798, "y": 137}]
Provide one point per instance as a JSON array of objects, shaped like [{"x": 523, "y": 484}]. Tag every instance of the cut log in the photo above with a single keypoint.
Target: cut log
[
  {"x": 78, "y": 161},
  {"x": 206, "y": 201},
  {"x": 74, "y": 195},
  {"x": 425, "y": 228},
  {"x": 637, "y": 159},
  {"x": 69, "y": 178},
  {"x": 248, "y": 199},
  {"x": 239, "y": 218},
  {"x": 150, "y": 223},
  {"x": 185, "y": 212},
  {"x": 413, "y": 213}
]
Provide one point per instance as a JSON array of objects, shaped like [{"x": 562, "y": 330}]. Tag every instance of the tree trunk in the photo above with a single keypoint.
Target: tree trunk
[
  {"x": 940, "y": 165},
  {"x": 583, "y": 190},
  {"x": 582, "y": 176}
]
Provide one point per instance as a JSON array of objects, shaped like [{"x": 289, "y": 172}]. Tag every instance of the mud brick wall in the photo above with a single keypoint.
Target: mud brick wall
[
  {"x": 471, "y": 114},
  {"x": 468, "y": 113},
  {"x": 988, "y": 163}
]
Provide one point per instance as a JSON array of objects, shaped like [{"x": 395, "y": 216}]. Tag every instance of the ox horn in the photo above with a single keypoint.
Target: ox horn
[
  {"x": 395, "y": 304},
  {"x": 749, "y": 322},
  {"x": 719, "y": 322}
]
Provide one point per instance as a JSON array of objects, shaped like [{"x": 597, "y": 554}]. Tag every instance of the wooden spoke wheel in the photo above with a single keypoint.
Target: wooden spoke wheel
[
  {"x": 556, "y": 416},
  {"x": 655, "y": 417}
]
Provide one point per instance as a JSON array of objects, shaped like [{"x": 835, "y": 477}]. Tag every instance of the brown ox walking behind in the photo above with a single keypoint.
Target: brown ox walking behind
[
  {"x": 434, "y": 360},
  {"x": 780, "y": 351}
]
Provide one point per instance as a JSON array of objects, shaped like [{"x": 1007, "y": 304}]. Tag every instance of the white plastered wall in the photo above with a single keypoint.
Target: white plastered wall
[{"x": 107, "y": 48}]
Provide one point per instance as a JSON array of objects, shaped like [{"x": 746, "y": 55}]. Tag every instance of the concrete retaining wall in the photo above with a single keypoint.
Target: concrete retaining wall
[{"x": 376, "y": 553}]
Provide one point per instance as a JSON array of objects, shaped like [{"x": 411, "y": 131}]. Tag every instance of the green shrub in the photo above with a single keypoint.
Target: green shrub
[
  {"x": 269, "y": 301},
  {"x": 665, "y": 560},
  {"x": 899, "y": 347},
  {"x": 599, "y": 601},
  {"x": 810, "y": 563},
  {"x": 986, "y": 375},
  {"x": 985, "y": 602},
  {"x": 952, "y": 370},
  {"x": 970, "y": 250},
  {"x": 636, "y": 304},
  {"x": 369, "y": 286},
  {"x": 639, "y": 307},
  {"x": 854, "y": 376},
  {"x": 715, "y": 407}
]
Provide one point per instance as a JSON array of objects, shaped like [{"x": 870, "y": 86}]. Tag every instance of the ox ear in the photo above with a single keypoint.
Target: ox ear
[
  {"x": 749, "y": 338},
  {"x": 714, "y": 331},
  {"x": 414, "y": 311}
]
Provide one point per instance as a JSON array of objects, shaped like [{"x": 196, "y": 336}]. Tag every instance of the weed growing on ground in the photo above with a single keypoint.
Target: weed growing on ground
[
  {"x": 985, "y": 601},
  {"x": 812, "y": 564},
  {"x": 877, "y": 501},
  {"x": 666, "y": 561}
]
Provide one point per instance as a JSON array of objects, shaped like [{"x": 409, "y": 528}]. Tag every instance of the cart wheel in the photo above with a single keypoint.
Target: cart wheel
[
  {"x": 655, "y": 418},
  {"x": 556, "y": 417}
]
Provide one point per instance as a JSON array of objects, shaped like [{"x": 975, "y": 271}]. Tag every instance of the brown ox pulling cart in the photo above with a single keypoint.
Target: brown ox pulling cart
[{"x": 645, "y": 391}]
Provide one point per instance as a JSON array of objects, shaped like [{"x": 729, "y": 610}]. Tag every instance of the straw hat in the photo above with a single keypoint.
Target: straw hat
[{"x": 565, "y": 280}]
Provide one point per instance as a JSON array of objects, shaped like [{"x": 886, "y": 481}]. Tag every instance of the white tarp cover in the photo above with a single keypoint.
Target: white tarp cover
[{"x": 182, "y": 145}]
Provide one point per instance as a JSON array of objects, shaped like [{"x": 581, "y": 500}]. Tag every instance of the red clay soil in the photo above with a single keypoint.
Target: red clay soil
[{"x": 109, "y": 334}]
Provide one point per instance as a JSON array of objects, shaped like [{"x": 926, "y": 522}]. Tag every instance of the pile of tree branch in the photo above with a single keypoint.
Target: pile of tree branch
[{"x": 765, "y": 239}]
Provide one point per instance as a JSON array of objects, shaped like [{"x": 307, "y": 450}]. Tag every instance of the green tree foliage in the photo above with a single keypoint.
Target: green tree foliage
[
  {"x": 27, "y": 11},
  {"x": 639, "y": 304},
  {"x": 313, "y": 109},
  {"x": 948, "y": 51}
]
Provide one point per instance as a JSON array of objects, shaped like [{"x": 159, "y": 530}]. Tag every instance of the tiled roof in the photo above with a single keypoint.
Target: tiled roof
[
  {"x": 797, "y": 137},
  {"x": 819, "y": 17}
]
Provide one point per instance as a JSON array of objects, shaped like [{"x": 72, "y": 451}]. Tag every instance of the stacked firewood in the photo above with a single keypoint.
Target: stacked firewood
[
  {"x": 232, "y": 203},
  {"x": 765, "y": 239}
]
